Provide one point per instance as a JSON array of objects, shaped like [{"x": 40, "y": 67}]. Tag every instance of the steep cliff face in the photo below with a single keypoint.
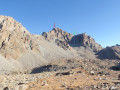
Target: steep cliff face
[
  {"x": 15, "y": 40},
  {"x": 85, "y": 41},
  {"x": 109, "y": 53}
]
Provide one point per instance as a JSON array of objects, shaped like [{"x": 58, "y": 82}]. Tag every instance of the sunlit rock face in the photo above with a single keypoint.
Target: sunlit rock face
[{"x": 14, "y": 39}]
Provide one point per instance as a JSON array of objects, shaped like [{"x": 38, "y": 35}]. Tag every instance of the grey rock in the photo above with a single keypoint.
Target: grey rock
[
  {"x": 62, "y": 44},
  {"x": 92, "y": 72},
  {"x": 113, "y": 88},
  {"x": 6, "y": 88}
]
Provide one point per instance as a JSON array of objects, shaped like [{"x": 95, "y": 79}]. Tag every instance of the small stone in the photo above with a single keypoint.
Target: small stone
[
  {"x": 119, "y": 77},
  {"x": 20, "y": 83},
  {"x": 64, "y": 85},
  {"x": 64, "y": 73},
  {"x": 6, "y": 88},
  {"x": 79, "y": 72},
  {"x": 75, "y": 78},
  {"x": 113, "y": 88},
  {"x": 44, "y": 83},
  {"x": 100, "y": 78},
  {"x": 104, "y": 79},
  {"x": 92, "y": 72}
]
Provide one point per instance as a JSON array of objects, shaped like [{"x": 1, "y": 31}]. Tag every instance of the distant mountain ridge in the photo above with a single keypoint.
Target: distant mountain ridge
[
  {"x": 58, "y": 35},
  {"x": 21, "y": 50},
  {"x": 110, "y": 53}
]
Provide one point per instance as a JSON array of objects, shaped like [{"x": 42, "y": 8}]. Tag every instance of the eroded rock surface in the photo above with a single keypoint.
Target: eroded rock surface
[{"x": 15, "y": 40}]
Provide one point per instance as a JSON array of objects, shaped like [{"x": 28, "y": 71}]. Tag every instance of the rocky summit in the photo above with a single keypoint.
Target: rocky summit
[
  {"x": 57, "y": 33},
  {"x": 60, "y": 37},
  {"x": 55, "y": 60}
]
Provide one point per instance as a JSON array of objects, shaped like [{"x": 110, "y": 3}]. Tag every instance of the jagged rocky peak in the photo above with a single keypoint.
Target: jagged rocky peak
[
  {"x": 86, "y": 41},
  {"x": 59, "y": 37},
  {"x": 57, "y": 30},
  {"x": 63, "y": 38},
  {"x": 14, "y": 38},
  {"x": 57, "y": 33}
]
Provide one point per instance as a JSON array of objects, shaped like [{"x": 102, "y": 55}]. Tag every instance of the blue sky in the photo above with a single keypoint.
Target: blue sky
[{"x": 98, "y": 18}]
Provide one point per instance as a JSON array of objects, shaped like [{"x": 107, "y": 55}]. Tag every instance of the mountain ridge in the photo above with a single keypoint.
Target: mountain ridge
[{"x": 17, "y": 45}]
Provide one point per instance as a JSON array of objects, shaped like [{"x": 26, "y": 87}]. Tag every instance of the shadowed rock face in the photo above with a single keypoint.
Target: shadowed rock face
[
  {"x": 109, "y": 53},
  {"x": 62, "y": 44},
  {"x": 86, "y": 41},
  {"x": 14, "y": 39}
]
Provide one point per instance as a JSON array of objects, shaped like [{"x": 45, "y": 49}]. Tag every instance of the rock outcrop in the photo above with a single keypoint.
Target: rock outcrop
[
  {"x": 59, "y": 37},
  {"x": 62, "y": 44},
  {"x": 57, "y": 33}
]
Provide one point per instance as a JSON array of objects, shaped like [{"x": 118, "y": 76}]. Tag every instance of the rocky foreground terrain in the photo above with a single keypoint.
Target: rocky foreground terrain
[
  {"x": 66, "y": 74},
  {"x": 55, "y": 60}
]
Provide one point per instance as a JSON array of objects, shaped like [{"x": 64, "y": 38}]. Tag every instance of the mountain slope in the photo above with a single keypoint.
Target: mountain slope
[
  {"x": 109, "y": 53},
  {"x": 30, "y": 51}
]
